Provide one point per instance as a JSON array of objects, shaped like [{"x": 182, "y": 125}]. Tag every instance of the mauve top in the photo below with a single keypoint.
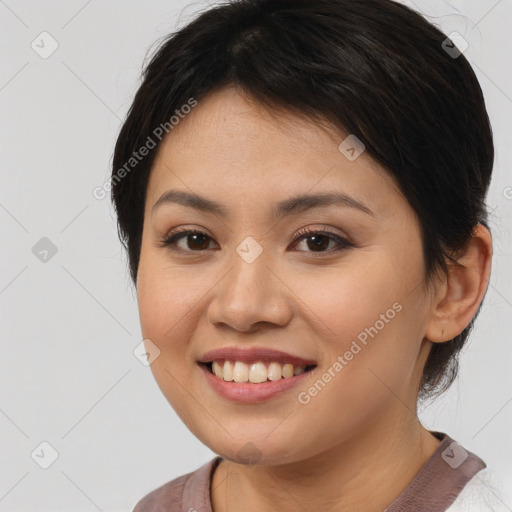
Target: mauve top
[{"x": 440, "y": 485}]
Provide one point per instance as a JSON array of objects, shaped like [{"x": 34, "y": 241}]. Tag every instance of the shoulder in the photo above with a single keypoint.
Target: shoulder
[
  {"x": 165, "y": 497},
  {"x": 483, "y": 493},
  {"x": 173, "y": 495}
]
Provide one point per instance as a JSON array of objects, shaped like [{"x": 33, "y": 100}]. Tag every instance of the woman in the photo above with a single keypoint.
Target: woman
[{"x": 300, "y": 187}]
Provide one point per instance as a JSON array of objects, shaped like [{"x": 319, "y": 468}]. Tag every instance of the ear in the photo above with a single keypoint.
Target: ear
[{"x": 460, "y": 294}]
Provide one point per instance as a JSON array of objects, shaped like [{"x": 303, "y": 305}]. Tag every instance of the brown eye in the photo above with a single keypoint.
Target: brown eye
[
  {"x": 318, "y": 241},
  {"x": 194, "y": 241}
]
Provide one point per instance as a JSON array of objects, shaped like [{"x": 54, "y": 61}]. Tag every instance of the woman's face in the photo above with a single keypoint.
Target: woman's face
[{"x": 357, "y": 310}]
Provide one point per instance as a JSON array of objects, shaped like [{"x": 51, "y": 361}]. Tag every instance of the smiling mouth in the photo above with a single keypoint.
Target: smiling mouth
[{"x": 255, "y": 373}]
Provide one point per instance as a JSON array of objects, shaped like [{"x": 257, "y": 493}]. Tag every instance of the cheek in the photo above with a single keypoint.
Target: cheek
[
  {"x": 369, "y": 324},
  {"x": 344, "y": 302},
  {"x": 164, "y": 295},
  {"x": 166, "y": 301}
]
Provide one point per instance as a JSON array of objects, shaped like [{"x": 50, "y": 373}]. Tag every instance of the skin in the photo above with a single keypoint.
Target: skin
[{"x": 358, "y": 443}]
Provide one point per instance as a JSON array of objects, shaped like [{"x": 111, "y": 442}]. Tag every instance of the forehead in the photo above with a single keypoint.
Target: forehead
[
  {"x": 229, "y": 119},
  {"x": 230, "y": 145}
]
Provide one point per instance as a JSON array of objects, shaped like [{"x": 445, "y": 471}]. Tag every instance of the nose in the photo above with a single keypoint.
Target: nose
[{"x": 250, "y": 296}]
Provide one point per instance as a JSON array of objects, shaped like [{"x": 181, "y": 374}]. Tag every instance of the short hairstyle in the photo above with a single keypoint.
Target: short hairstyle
[{"x": 372, "y": 68}]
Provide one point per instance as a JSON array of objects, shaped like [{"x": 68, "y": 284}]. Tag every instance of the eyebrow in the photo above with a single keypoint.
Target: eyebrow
[{"x": 296, "y": 204}]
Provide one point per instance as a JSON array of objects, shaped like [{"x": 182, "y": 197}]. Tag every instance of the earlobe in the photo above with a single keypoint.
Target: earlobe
[{"x": 462, "y": 291}]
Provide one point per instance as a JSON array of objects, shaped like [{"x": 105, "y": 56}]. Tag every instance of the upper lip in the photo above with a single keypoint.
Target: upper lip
[{"x": 253, "y": 355}]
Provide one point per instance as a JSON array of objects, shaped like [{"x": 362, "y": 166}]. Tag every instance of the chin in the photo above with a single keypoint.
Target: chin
[{"x": 254, "y": 450}]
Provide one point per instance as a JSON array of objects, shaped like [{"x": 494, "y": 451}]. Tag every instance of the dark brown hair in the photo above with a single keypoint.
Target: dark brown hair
[{"x": 373, "y": 68}]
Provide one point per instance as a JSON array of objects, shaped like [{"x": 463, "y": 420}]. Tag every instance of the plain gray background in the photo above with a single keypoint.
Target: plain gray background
[{"x": 69, "y": 324}]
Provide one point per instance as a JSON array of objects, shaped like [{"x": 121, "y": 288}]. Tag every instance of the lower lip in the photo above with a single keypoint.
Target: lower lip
[{"x": 248, "y": 392}]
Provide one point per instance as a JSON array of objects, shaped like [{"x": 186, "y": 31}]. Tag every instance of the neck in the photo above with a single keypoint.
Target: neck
[{"x": 371, "y": 468}]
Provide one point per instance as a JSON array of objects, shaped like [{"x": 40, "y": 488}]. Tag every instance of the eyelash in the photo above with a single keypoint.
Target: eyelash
[{"x": 304, "y": 233}]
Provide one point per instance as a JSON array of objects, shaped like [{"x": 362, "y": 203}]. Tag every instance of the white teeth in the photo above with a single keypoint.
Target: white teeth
[
  {"x": 240, "y": 372},
  {"x": 274, "y": 371},
  {"x": 256, "y": 372},
  {"x": 217, "y": 369},
  {"x": 227, "y": 371},
  {"x": 287, "y": 370}
]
